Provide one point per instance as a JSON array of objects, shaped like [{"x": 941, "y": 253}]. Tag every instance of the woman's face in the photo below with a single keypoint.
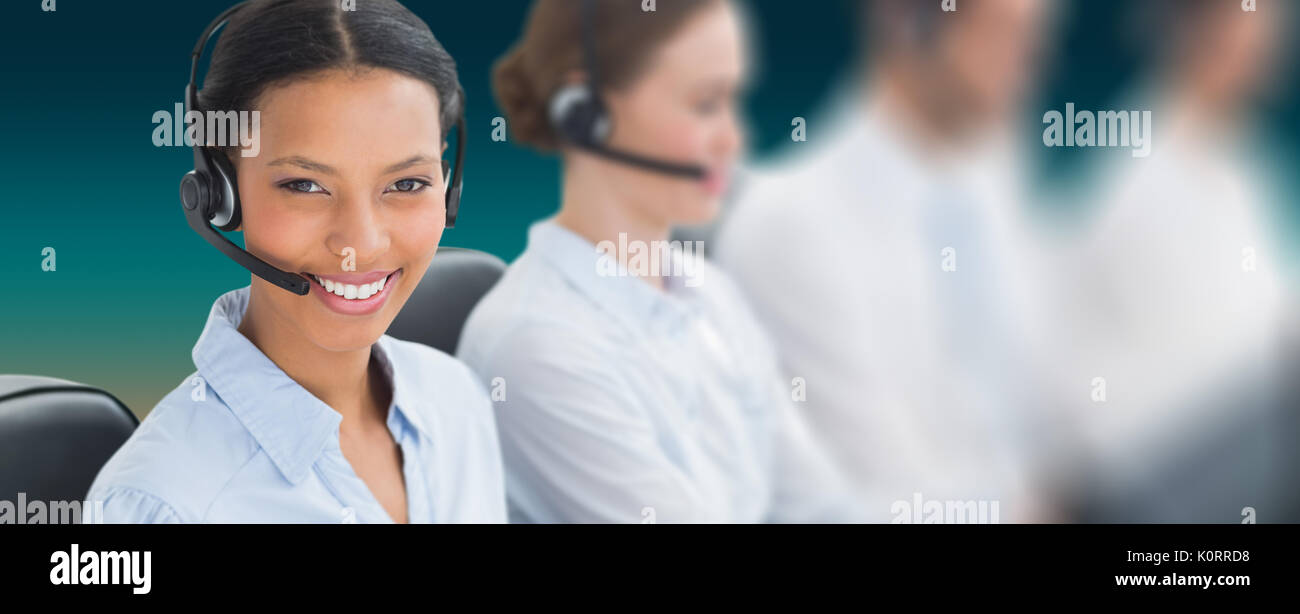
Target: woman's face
[
  {"x": 683, "y": 109},
  {"x": 347, "y": 190}
]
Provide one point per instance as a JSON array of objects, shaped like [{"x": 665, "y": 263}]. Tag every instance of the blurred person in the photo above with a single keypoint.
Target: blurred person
[
  {"x": 1178, "y": 288},
  {"x": 631, "y": 394},
  {"x": 891, "y": 261}
]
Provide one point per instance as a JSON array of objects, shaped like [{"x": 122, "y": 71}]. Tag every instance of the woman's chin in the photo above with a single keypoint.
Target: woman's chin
[
  {"x": 346, "y": 339},
  {"x": 698, "y": 211}
]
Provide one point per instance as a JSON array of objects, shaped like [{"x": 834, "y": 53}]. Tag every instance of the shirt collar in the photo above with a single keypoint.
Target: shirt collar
[
  {"x": 403, "y": 381},
  {"x": 290, "y": 424},
  {"x": 627, "y": 298},
  {"x": 876, "y": 133}
]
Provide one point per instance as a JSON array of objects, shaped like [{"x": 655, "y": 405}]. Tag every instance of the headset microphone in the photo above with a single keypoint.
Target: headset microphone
[
  {"x": 210, "y": 192},
  {"x": 581, "y": 119}
]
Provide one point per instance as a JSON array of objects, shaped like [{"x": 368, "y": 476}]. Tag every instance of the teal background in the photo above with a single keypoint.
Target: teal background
[{"x": 133, "y": 284}]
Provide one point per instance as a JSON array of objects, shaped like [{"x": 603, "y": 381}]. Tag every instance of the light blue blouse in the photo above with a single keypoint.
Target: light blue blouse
[
  {"x": 239, "y": 441},
  {"x": 619, "y": 402}
]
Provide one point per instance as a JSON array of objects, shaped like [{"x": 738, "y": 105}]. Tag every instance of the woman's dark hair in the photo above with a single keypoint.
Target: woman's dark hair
[
  {"x": 272, "y": 42},
  {"x": 551, "y": 47}
]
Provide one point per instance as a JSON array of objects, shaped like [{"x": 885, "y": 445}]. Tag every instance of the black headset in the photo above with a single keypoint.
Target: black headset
[
  {"x": 580, "y": 118},
  {"x": 210, "y": 193}
]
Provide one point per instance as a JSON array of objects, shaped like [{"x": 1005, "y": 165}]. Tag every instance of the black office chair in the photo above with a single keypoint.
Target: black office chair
[
  {"x": 454, "y": 283},
  {"x": 54, "y": 437}
]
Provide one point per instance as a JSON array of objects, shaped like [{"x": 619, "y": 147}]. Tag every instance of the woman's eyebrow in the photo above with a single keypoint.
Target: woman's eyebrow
[
  {"x": 304, "y": 163},
  {"x": 409, "y": 162},
  {"x": 717, "y": 86},
  {"x": 312, "y": 165}
]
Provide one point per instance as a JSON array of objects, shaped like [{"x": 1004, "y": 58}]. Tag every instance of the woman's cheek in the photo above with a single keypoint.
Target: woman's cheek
[
  {"x": 688, "y": 139},
  {"x": 275, "y": 232},
  {"x": 421, "y": 232}
]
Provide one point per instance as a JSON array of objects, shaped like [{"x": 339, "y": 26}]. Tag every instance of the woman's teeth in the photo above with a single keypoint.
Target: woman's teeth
[{"x": 351, "y": 292}]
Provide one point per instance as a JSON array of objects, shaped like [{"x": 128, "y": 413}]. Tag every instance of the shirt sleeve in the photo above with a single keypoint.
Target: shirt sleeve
[
  {"x": 578, "y": 444},
  {"x": 126, "y": 505},
  {"x": 824, "y": 451},
  {"x": 807, "y": 485}
]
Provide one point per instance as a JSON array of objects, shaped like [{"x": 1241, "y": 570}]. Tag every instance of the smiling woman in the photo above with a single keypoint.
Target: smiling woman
[{"x": 302, "y": 409}]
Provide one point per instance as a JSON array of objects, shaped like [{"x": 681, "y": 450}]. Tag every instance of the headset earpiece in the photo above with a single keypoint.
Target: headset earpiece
[
  {"x": 194, "y": 193},
  {"x": 455, "y": 182},
  {"x": 577, "y": 113},
  {"x": 580, "y": 117},
  {"x": 225, "y": 213},
  {"x": 451, "y": 200},
  {"x": 210, "y": 189}
]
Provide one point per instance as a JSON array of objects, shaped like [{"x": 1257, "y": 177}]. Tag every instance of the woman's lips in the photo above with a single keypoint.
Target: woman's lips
[
  {"x": 715, "y": 182},
  {"x": 375, "y": 286}
]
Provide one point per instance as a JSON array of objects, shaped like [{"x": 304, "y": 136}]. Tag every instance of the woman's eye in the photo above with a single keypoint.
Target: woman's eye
[
  {"x": 708, "y": 107},
  {"x": 407, "y": 185},
  {"x": 306, "y": 186}
]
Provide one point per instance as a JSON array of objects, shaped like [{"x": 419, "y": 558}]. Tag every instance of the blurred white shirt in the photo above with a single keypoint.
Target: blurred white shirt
[
  {"x": 621, "y": 402},
  {"x": 918, "y": 378},
  {"x": 1180, "y": 293}
]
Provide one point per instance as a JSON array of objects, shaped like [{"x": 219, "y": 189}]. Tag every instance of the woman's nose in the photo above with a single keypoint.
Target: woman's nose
[
  {"x": 358, "y": 233},
  {"x": 731, "y": 137}
]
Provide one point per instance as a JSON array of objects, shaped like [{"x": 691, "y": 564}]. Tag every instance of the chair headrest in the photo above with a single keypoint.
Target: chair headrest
[
  {"x": 454, "y": 283},
  {"x": 55, "y": 435}
]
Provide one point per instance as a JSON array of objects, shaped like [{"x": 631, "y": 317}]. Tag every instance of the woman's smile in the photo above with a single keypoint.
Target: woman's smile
[{"x": 354, "y": 294}]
